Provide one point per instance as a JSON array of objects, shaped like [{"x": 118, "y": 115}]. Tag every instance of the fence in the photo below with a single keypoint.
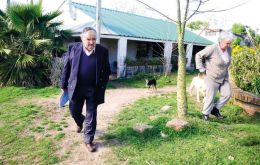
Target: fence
[{"x": 132, "y": 70}]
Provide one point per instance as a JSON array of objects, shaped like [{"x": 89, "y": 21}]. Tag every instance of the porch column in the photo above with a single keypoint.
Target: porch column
[
  {"x": 167, "y": 57},
  {"x": 189, "y": 50},
  {"x": 121, "y": 56}
]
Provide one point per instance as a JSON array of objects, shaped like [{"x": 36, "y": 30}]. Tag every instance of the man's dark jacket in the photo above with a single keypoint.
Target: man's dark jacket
[{"x": 70, "y": 71}]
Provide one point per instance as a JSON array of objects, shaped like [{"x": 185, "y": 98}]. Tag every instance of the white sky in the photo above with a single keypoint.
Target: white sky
[{"x": 247, "y": 14}]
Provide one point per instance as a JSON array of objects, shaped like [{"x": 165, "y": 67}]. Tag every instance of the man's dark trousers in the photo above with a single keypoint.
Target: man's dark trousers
[{"x": 83, "y": 94}]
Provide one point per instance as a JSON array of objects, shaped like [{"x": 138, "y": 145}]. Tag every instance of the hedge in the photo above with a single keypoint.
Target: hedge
[{"x": 245, "y": 68}]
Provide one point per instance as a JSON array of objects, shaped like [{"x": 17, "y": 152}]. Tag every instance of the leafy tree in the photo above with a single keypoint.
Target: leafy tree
[
  {"x": 244, "y": 30},
  {"x": 197, "y": 25},
  {"x": 257, "y": 39},
  {"x": 236, "y": 42},
  {"x": 238, "y": 29},
  {"x": 28, "y": 39}
]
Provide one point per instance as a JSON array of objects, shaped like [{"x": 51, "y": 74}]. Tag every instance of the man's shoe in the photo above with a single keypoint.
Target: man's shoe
[
  {"x": 205, "y": 117},
  {"x": 216, "y": 113},
  {"x": 91, "y": 147},
  {"x": 79, "y": 129}
]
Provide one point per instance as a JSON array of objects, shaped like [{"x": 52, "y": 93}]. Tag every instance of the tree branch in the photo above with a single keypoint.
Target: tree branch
[
  {"x": 178, "y": 13},
  {"x": 194, "y": 12},
  {"x": 214, "y": 10},
  {"x": 156, "y": 11},
  {"x": 185, "y": 15}
]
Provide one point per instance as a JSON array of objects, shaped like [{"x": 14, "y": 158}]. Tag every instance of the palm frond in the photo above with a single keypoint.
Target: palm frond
[
  {"x": 5, "y": 51},
  {"x": 49, "y": 16},
  {"x": 54, "y": 25},
  {"x": 28, "y": 40},
  {"x": 41, "y": 42},
  {"x": 21, "y": 15},
  {"x": 24, "y": 61}
]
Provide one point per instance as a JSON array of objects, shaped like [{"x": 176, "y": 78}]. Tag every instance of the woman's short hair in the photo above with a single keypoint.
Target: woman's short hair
[{"x": 225, "y": 36}]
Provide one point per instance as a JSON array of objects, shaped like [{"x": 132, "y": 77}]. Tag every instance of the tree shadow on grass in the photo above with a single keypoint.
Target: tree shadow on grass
[
  {"x": 236, "y": 115},
  {"x": 232, "y": 115},
  {"x": 128, "y": 136}
]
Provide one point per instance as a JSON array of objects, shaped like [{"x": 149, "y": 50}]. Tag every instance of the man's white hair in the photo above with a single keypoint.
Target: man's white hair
[{"x": 225, "y": 36}]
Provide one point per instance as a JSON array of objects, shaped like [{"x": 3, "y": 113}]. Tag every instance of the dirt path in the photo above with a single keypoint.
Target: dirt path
[{"x": 72, "y": 144}]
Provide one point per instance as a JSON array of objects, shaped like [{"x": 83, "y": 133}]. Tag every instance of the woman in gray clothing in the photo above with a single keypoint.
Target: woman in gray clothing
[{"x": 214, "y": 61}]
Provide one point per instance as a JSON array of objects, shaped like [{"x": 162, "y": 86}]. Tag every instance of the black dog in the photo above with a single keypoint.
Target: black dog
[{"x": 151, "y": 83}]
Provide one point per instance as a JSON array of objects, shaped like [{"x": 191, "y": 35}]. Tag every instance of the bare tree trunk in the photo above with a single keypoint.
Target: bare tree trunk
[
  {"x": 8, "y": 3},
  {"x": 181, "y": 83}
]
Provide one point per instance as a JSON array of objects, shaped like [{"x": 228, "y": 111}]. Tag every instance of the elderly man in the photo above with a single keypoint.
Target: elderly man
[
  {"x": 214, "y": 61},
  {"x": 85, "y": 76}
]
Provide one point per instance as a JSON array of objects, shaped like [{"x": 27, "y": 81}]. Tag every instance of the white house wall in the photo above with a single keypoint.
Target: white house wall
[
  {"x": 189, "y": 50},
  {"x": 111, "y": 45}
]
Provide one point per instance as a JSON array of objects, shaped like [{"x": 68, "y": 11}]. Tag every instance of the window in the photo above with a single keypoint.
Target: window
[{"x": 142, "y": 50}]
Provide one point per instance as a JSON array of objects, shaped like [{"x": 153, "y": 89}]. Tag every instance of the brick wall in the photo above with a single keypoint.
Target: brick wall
[{"x": 248, "y": 101}]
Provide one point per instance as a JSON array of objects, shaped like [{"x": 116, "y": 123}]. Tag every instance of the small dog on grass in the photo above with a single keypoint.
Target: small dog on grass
[
  {"x": 151, "y": 83},
  {"x": 198, "y": 83}
]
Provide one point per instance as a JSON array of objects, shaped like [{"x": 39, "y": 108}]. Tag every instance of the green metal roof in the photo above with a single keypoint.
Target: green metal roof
[{"x": 131, "y": 25}]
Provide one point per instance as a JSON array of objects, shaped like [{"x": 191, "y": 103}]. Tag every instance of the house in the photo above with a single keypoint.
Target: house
[
  {"x": 209, "y": 33},
  {"x": 130, "y": 36}
]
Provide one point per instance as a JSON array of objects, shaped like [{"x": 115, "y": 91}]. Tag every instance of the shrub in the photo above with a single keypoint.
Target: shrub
[
  {"x": 245, "y": 69},
  {"x": 56, "y": 69},
  {"x": 131, "y": 62},
  {"x": 142, "y": 76},
  {"x": 154, "y": 61},
  {"x": 144, "y": 61},
  {"x": 238, "y": 49},
  {"x": 236, "y": 42}
]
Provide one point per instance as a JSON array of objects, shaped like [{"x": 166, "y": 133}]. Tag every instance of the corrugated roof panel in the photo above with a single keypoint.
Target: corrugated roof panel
[{"x": 131, "y": 25}]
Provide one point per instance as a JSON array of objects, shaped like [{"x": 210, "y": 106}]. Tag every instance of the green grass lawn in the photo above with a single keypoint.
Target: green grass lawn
[
  {"x": 138, "y": 81},
  {"x": 17, "y": 142},
  {"x": 233, "y": 140}
]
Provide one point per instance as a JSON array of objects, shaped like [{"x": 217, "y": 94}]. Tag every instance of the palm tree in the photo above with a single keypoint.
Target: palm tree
[{"x": 30, "y": 37}]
